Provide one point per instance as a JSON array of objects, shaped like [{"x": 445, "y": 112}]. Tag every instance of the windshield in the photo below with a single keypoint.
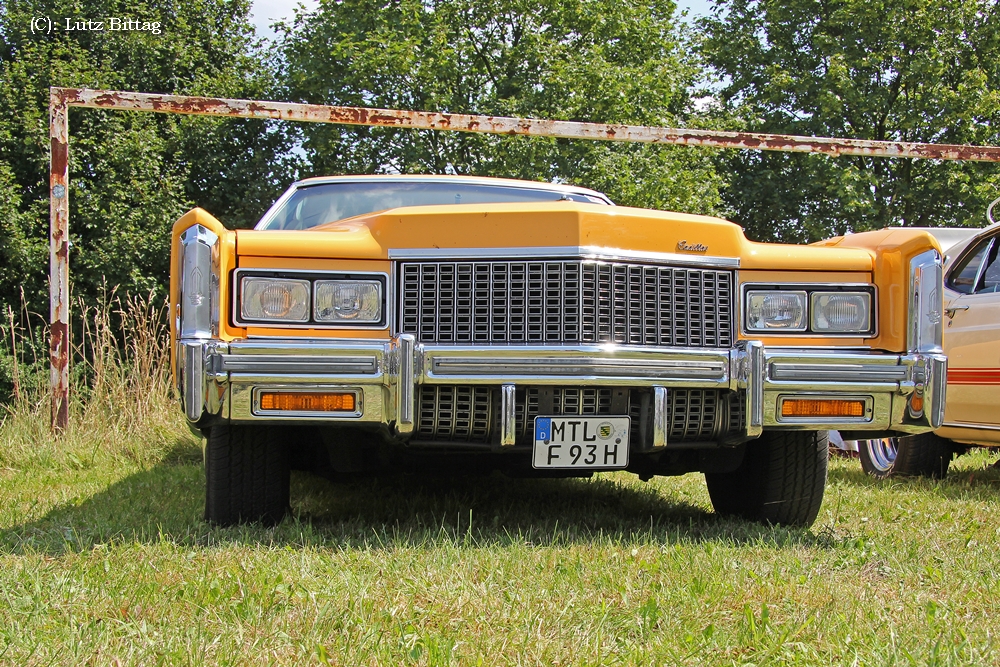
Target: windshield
[{"x": 313, "y": 205}]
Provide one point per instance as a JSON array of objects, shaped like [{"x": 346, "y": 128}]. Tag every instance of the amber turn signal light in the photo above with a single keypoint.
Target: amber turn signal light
[
  {"x": 807, "y": 407},
  {"x": 295, "y": 401}
]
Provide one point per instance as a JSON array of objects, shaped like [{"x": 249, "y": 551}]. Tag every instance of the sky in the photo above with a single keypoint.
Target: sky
[{"x": 266, "y": 12}]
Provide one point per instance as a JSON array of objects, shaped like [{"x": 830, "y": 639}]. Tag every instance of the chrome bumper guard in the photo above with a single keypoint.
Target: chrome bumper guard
[{"x": 220, "y": 381}]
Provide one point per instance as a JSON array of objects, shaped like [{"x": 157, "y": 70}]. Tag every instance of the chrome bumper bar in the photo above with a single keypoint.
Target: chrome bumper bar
[{"x": 219, "y": 380}]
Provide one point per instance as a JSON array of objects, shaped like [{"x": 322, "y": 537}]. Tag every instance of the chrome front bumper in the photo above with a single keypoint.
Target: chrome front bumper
[{"x": 221, "y": 381}]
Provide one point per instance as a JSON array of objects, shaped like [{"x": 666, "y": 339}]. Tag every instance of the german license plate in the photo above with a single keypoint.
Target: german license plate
[{"x": 599, "y": 443}]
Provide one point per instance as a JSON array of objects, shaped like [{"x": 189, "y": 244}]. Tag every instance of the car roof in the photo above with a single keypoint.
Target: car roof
[
  {"x": 447, "y": 178},
  {"x": 949, "y": 237}
]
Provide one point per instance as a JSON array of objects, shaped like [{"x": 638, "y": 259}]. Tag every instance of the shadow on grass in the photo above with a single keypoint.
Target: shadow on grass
[
  {"x": 970, "y": 478},
  {"x": 165, "y": 503}
]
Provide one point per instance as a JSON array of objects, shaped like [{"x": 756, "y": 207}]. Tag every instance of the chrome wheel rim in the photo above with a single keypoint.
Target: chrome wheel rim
[{"x": 882, "y": 453}]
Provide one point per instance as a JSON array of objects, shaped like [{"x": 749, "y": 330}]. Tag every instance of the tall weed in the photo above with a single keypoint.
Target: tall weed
[{"x": 121, "y": 405}]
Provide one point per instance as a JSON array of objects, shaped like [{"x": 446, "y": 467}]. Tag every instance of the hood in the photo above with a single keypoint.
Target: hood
[{"x": 541, "y": 224}]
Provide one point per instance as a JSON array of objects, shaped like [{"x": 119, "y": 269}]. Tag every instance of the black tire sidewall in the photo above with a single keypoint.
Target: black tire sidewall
[
  {"x": 247, "y": 475},
  {"x": 781, "y": 480}
]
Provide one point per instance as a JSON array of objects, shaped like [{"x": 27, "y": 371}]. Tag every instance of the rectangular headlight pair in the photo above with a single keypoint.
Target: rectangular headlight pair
[
  {"x": 301, "y": 301},
  {"x": 815, "y": 311}
]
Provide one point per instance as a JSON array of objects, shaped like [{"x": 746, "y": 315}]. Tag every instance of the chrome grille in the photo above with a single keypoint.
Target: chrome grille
[{"x": 572, "y": 301}]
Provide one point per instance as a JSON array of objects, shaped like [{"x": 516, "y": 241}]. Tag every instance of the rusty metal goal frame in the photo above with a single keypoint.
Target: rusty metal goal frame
[{"x": 61, "y": 99}]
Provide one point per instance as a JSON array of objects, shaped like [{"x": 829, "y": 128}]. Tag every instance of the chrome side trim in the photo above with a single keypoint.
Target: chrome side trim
[
  {"x": 309, "y": 347},
  {"x": 404, "y": 385},
  {"x": 566, "y": 252},
  {"x": 194, "y": 379},
  {"x": 755, "y": 388},
  {"x": 835, "y": 372},
  {"x": 508, "y": 415},
  {"x": 972, "y": 425},
  {"x": 936, "y": 386},
  {"x": 660, "y": 424},
  {"x": 283, "y": 363}
]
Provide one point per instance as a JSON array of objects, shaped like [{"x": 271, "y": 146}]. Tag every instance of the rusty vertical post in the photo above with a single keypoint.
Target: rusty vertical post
[{"x": 59, "y": 258}]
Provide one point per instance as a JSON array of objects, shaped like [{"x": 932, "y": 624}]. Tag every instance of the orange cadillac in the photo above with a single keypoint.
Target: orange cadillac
[{"x": 464, "y": 324}]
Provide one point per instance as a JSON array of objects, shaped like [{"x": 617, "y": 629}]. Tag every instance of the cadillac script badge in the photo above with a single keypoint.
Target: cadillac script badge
[{"x": 684, "y": 246}]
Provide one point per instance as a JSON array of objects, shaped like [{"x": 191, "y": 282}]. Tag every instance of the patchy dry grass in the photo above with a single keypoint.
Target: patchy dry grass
[
  {"x": 104, "y": 558},
  {"x": 112, "y": 561}
]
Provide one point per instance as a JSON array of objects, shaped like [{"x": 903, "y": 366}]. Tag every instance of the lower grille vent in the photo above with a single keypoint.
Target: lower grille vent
[
  {"x": 452, "y": 413},
  {"x": 470, "y": 414}
]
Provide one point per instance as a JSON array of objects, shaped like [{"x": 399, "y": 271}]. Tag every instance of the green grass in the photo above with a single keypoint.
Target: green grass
[{"x": 104, "y": 558}]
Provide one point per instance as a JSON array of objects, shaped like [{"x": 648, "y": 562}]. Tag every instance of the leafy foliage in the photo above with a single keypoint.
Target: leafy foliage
[
  {"x": 909, "y": 70},
  {"x": 593, "y": 60},
  {"x": 131, "y": 175},
  {"x": 896, "y": 70}
]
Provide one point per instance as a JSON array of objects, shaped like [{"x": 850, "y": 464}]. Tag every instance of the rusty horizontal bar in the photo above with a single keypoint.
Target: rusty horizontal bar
[
  {"x": 427, "y": 120},
  {"x": 60, "y": 99}
]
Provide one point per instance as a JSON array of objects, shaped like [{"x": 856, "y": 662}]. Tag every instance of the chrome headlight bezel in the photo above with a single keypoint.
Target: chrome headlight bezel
[
  {"x": 310, "y": 279},
  {"x": 809, "y": 328}
]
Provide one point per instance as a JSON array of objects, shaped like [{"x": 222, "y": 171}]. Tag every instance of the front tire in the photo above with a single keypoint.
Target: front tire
[
  {"x": 878, "y": 456},
  {"x": 781, "y": 480},
  {"x": 246, "y": 476},
  {"x": 924, "y": 455}
]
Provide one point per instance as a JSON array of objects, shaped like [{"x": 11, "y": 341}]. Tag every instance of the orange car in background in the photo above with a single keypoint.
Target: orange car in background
[{"x": 972, "y": 343}]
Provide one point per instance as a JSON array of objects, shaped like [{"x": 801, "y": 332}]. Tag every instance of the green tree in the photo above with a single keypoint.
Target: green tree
[
  {"x": 896, "y": 70},
  {"x": 131, "y": 174},
  {"x": 593, "y": 60}
]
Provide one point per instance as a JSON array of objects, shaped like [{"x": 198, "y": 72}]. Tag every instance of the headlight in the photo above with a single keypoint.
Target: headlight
[
  {"x": 783, "y": 310},
  {"x": 274, "y": 299},
  {"x": 348, "y": 301},
  {"x": 840, "y": 312}
]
